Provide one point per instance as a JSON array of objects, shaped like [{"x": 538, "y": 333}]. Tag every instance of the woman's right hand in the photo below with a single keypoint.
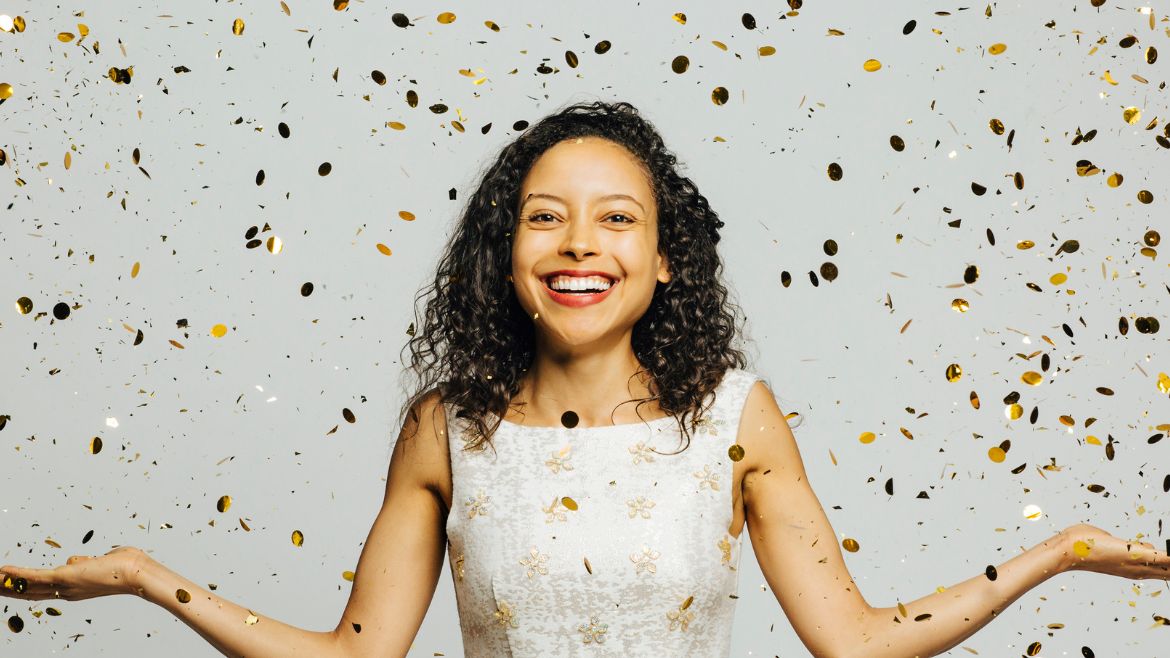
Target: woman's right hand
[
  {"x": 81, "y": 577},
  {"x": 1088, "y": 548}
]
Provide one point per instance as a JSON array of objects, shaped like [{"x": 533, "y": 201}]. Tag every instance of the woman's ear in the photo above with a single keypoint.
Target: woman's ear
[{"x": 664, "y": 271}]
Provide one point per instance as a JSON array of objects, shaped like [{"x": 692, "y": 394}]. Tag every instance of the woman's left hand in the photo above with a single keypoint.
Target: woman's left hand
[{"x": 1087, "y": 548}]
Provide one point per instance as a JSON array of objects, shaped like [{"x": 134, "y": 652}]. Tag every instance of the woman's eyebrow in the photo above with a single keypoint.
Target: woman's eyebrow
[{"x": 607, "y": 197}]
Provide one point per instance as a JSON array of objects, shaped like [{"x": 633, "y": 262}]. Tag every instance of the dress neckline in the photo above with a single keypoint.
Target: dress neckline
[{"x": 597, "y": 428}]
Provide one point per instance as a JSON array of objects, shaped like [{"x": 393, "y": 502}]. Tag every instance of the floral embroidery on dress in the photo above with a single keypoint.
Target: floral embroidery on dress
[
  {"x": 641, "y": 452},
  {"x": 560, "y": 460},
  {"x": 644, "y": 562},
  {"x": 478, "y": 505},
  {"x": 594, "y": 631},
  {"x": 555, "y": 511},
  {"x": 680, "y": 617},
  {"x": 505, "y": 616},
  {"x": 707, "y": 478},
  {"x": 725, "y": 547},
  {"x": 536, "y": 562},
  {"x": 640, "y": 506}
]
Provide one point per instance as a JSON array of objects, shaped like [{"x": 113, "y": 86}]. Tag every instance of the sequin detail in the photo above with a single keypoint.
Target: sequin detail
[{"x": 594, "y": 631}]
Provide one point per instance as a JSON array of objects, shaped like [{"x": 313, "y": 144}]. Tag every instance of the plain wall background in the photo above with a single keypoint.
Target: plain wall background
[{"x": 249, "y": 414}]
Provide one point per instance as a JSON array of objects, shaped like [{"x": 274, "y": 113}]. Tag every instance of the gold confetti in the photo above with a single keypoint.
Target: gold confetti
[
  {"x": 406, "y": 215},
  {"x": 238, "y": 26},
  {"x": 719, "y": 95},
  {"x": 340, "y": 5},
  {"x": 735, "y": 452},
  {"x": 1114, "y": 179},
  {"x": 996, "y": 454},
  {"x": 588, "y": 567},
  {"x": 954, "y": 372},
  {"x": 1058, "y": 278},
  {"x": 18, "y": 23},
  {"x": 219, "y": 330},
  {"x": 383, "y": 248},
  {"x": 569, "y": 503},
  {"x": 6, "y": 23},
  {"x": 1032, "y": 512},
  {"x": 285, "y": 9},
  {"x": 1032, "y": 378},
  {"x": 273, "y": 245},
  {"x": 224, "y": 503},
  {"x": 867, "y": 437},
  {"x": 1145, "y": 196},
  {"x": 95, "y": 445},
  {"x": 24, "y": 306},
  {"x": 1014, "y": 411},
  {"x": 251, "y": 619},
  {"x": 850, "y": 545},
  {"x": 680, "y": 64},
  {"x": 871, "y": 65},
  {"x": 680, "y": 18},
  {"x": 974, "y": 397},
  {"x": 65, "y": 37},
  {"x": 68, "y": 160},
  {"x": 183, "y": 596},
  {"x": 347, "y": 576},
  {"x": 1131, "y": 115},
  {"x": 996, "y": 126},
  {"x": 298, "y": 538},
  {"x": 446, "y": 18},
  {"x": 959, "y": 305},
  {"x": 5, "y": 92},
  {"x": 348, "y": 415},
  {"x": 396, "y": 125},
  {"x": 997, "y": 48},
  {"x": 765, "y": 51}
]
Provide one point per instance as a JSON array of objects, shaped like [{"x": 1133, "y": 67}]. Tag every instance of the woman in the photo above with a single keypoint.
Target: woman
[{"x": 583, "y": 276}]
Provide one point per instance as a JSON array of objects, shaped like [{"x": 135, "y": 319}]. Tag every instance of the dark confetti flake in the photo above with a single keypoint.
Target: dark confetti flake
[
  {"x": 569, "y": 419},
  {"x": 835, "y": 172},
  {"x": 991, "y": 572},
  {"x": 378, "y": 76},
  {"x": 828, "y": 271},
  {"x": 602, "y": 47},
  {"x": 897, "y": 144},
  {"x": 15, "y": 624},
  {"x": 830, "y": 247},
  {"x": 260, "y": 177},
  {"x": 400, "y": 20},
  {"x": 785, "y": 278},
  {"x": 282, "y": 128},
  {"x": 520, "y": 125},
  {"x": 61, "y": 310},
  {"x": 348, "y": 415},
  {"x": 87, "y": 537},
  {"x": 680, "y": 64},
  {"x": 571, "y": 59},
  {"x": 306, "y": 289},
  {"x": 324, "y": 169},
  {"x": 909, "y": 27},
  {"x": 748, "y": 21},
  {"x": 357, "y": 628},
  {"x": 978, "y": 189}
]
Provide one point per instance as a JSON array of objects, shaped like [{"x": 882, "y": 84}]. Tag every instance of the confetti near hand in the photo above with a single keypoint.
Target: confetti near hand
[
  {"x": 81, "y": 577},
  {"x": 1087, "y": 548}
]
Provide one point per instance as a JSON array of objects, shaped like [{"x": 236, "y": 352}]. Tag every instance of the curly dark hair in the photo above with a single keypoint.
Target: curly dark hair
[{"x": 474, "y": 350}]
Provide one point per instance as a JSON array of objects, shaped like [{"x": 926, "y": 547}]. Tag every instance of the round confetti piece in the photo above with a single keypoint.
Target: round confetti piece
[
  {"x": 60, "y": 310},
  {"x": 398, "y": 125},
  {"x": 406, "y": 215},
  {"x": 6, "y": 22},
  {"x": 183, "y": 596},
  {"x": 867, "y": 437},
  {"x": 348, "y": 415},
  {"x": 95, "y": 445},
  {"x": 1081, "y": 549},
  {"x": 445, "y": 18},
  {"x": 959, "y": 305},
  {"x": 954, "y": 372},
  {"x": 298, "y": 538},
  {"x": 997, "y": 48},
  {"x": 282, "y": 128},
  {"x": 1032, "y": 378},
  {"x": 1152, "y": 238},
  {"x": 274, "y": 245},
  {"x": 719, "y": 95},
  {"x": 53, "y": 612},
  {"x": 15, "y": 624},
  {"x": 383, "y": 248},
  {"x": 347, "y": 576},
  {"x": 134, "y": 270},
  {"x": 219, "y": 330},
  {"x": 569, "y": 503},
  {"x": 306, "y": 289},
  {"x": 1131, "y": 115},
  {"x": 996, "y": 126},
  {"x": 324, "y": 169},
  {"x": 570, "y": 419},
  {"x": 1145, "y": 196},
  {"x": 765, "y": 51},
  {"x": 871, "y": 65},
  {"x": 24, "y": 306},
  {"x": 850, "y": 545},
  {"x": 1058, "y": 278},
  {"x": 680, "y": 64},
  {"x": 835, "y": 172},
  {"x": 990, "y": 572},
  {"x": 897, "y": 144},
  {"x": 996, "y": 454},
  {"x": 65, "y": 37},
  {"x": 735, "y": 452},
  {"x": 378, "y": 77},
  {"x": 238, "y": 26},
  {"x": 340, "y": 5},
  {"x": 601, "y": 48},
  {"x": 18, "y": 23},
  {"x": 224, "y": 503},
  {"x": 1032, "y": 512}
]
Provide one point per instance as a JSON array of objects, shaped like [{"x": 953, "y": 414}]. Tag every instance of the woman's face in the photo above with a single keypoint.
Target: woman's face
[{"x": 586, "y": 205}]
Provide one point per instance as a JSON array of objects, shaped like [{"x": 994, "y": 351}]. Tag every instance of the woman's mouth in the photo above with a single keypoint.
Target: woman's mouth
[{"x": 576, "y": 299}]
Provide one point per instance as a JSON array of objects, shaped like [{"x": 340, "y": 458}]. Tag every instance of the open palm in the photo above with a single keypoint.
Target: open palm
[
  {"x": 81, "y": 577},
  {"x": 1088, "y": 548}
]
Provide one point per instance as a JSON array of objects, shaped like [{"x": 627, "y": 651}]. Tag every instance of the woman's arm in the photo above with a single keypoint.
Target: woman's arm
[
  {"x": 801, "y": 559},
  {"x": 393, "y": 583}
]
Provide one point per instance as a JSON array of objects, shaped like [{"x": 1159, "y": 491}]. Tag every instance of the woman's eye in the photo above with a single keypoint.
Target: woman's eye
[
  {"x": 537, "y": 217},
  {"x": 628, "y": 220}
]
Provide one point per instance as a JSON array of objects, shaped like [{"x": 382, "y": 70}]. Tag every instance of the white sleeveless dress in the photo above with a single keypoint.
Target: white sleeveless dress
[{"x": 586, "y": 542}]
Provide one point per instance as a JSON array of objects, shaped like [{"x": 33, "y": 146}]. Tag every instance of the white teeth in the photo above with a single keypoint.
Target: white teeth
[{"x": 579, "y": 283}]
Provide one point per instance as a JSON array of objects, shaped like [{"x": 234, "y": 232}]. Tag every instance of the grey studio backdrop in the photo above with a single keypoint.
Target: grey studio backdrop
[{"x": 251, "y": 414}]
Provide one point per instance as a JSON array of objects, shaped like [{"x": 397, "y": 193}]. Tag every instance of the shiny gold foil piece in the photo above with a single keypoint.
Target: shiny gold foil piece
[
  {"x": 680, "y": 64},
  {"x": 219, "y": 330},
  {"x": 383, "y": 248},
  {"x": 996, "y": 454},
  {"x": 867, "y": 437},
  {"x": 959, "y": 305},
  {"x": 735, "y": 452},
  {"x": 719, "y": 95},
  {"x": 446, "y": 18},
  {"x": 183, "y": 596},
  {"x": 298, "y": 538},
  {"x": 224, "y": 503},
  {"x": 406, "y": 215},
  {"x": 64, "y": 37},
  {"x": 5, "y": 92},
  {"x": 1131, "y": 115},
  {"x": 569, "y": 503},
  {"x": 850, "y": 545},
  {"x": 1152, "y": 238},
  {"x": 95, "y": 445},
  {"x": 238, "y": 26},
  {"x": 954, "y": 372},
  {"x": 1114, "y": 179},
  {"x": 1032, "y": 378},
  {"x": 996, "y": 126},
  {"x": 24, "y": 306},
  {"x": 1145, "y": 196},
  {"x": 871, "y": 65},
  {"x": 997, "y": 48},
  {"x": 766, "y": 51}
]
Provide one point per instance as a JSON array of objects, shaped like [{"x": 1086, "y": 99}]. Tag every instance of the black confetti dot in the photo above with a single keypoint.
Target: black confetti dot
[
  {"x": 569, "y": 419},
  {"x": 61, "y": 310}
]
